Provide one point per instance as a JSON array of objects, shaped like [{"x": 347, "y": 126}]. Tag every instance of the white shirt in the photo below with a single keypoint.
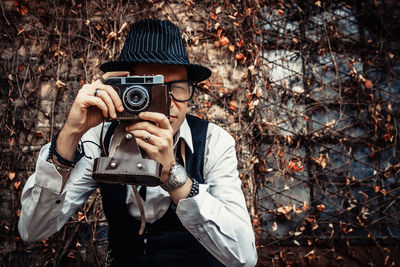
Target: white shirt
[{"x": 217, "y": 216}]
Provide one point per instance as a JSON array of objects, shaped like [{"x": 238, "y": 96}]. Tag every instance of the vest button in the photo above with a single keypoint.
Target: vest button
[{"x": 145, "y": 241}]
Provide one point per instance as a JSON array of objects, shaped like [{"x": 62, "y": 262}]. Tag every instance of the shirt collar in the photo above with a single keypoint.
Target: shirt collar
[{"x": 185, "y": 133}]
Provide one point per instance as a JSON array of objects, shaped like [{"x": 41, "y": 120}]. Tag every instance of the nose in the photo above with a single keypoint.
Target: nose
[{"x": 172, "y": 104}]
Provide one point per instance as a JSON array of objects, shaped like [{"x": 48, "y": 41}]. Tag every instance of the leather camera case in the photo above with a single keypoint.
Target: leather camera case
[{"x": 127, "y": 166}]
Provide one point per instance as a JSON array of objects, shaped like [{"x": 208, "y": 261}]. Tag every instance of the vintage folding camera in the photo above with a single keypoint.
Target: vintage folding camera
[{"x": 141, "y": 93}]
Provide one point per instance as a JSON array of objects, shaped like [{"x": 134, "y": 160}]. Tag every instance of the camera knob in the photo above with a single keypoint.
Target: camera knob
[{"x": 129, "y": 136}]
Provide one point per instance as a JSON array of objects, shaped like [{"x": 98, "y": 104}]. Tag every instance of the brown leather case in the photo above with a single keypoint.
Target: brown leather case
[
  {"x": 127, "y": 166},
  {"x": 160, "y": 102}
]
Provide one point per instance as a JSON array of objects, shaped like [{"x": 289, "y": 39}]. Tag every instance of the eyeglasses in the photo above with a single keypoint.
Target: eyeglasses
[{"x": 181, "y": 91}]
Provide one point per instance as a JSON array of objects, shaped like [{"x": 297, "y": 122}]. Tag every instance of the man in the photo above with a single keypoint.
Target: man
[{"x": 201, "y": 221}]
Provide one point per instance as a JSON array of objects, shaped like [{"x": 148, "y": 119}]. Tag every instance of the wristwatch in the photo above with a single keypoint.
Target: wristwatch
[{"x": 176, "y": 178}]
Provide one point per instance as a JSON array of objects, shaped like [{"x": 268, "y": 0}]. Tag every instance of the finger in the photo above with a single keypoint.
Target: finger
[
  {"x": 146, "y": 126},
  {"x": 98, "y": 102},
  {"x": 115, "y": 74},
  {"x": 107, "y": 100},
  {"x": 143, "y": 134},
  {"x": 156, "y": 117},
  {"x": 150, "y": 149},
  {"x": 116, "y": 100}
]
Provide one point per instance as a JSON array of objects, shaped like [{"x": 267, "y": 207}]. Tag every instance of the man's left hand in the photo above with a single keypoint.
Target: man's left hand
[{"x": 155, "y": 136}]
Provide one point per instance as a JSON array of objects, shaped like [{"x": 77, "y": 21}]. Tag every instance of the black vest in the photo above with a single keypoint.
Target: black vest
[{"x": 166, "y": 242}]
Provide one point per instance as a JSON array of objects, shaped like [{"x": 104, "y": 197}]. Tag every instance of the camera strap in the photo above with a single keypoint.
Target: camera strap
[
  {"x": 118, "y": 135},
  {"x": 183, "y": 152},
  {"x": 125, "y": 164},
  {"x": 102, "y": 148}
]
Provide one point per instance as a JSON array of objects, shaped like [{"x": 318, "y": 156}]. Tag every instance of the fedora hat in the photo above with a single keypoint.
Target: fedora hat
[{"x": 156, "y": 41}]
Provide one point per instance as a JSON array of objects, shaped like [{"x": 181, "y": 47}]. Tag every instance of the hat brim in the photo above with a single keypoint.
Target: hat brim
[{"x": 196, "y": 72}]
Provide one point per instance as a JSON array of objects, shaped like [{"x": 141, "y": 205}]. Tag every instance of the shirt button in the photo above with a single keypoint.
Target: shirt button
[
  {"x": 58, "y": 201},
  {"x": 145, "y": 241}
]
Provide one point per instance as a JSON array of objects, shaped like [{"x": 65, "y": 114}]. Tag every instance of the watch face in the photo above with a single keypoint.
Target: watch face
[
  {"x": 181, "y": 178},
  {"x": 179, "y": 174},
  {"x": 177, "y": 178}
]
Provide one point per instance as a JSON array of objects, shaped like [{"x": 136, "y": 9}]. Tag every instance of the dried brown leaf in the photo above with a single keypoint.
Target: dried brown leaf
[
  {"x": 23, "y": 10},
  {"x": 321, "y": 160},
  {"x": 321, "y": 207},
  {"x": 248, "y": 11},
  {"x": 376, "y": 188},
  {"x": 239, "y": 56},
  {"x": 280, "y": 12},
  {"x": 17, "y": 184},
  {"x": 233, "y": 105},
  {"x": 11, "y": 175},
  {"x": 213, "y": 16},
  {"x": 80, "y": 216},
  {"x": 224, "y": 41},
  {"x": 368, "y": 83},
  {"x": 219, "y": 32},
  {"x": 255, "y": 222}
]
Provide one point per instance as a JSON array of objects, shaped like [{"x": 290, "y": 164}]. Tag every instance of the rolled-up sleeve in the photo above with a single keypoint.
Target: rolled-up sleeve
[
  {"x": 45, "y": 206},
  {"x": 218, "y": 216}
]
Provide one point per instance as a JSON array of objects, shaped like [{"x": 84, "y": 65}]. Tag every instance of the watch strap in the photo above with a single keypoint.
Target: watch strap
[{"x": 195, "y": 189}]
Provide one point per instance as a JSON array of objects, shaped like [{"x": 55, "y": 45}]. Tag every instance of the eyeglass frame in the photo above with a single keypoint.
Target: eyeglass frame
[{"x": 191, "y": 83}]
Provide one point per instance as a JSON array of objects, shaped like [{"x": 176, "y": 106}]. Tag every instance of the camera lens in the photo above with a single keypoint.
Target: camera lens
[{"x": 136, "y": 98}]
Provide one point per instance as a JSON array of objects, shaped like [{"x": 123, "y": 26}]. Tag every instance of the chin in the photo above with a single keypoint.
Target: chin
[{"x": 175, "y": 124}]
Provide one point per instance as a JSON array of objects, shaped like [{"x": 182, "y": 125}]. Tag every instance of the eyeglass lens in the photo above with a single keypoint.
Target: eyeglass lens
[{"x": 181, "y": 91}]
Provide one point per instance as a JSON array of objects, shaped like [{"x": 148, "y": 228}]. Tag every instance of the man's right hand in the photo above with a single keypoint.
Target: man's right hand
[{"x": 88, "y": 111}]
